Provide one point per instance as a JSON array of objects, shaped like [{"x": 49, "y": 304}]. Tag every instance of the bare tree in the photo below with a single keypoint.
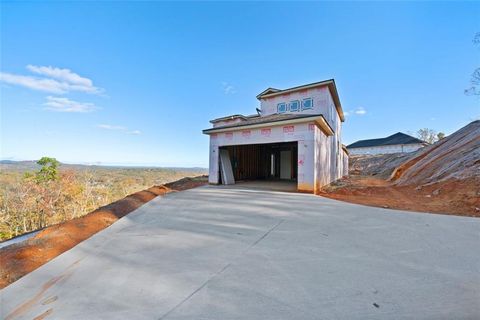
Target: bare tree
[
  {"x": 427, "y": 135},
  {"x": 475, "y": 79}
]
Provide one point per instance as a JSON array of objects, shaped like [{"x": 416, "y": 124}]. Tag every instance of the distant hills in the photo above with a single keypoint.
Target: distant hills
[{"x": 31, "y": 165}]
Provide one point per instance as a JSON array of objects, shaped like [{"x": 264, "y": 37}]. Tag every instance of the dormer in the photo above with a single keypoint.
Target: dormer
[{"x": 314, "y": 98}]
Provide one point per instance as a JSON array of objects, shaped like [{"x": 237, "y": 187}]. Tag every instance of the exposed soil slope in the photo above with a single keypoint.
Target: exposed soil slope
[
  {"x": 441, "y": 178},
  {"x": 455, "y": 196},
  {"x": 380, "y": 166},
  {"x": 455, "y": 157},
  {"x": 19, "y": 259}
]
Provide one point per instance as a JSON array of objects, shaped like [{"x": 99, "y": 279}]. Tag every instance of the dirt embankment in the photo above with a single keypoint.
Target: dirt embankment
[
  {"x": 441, "y": 178},
  {"x": 19, "y": 259},
  {"x": 456, "y": 197},
  {"x": 380, "y": 166}
]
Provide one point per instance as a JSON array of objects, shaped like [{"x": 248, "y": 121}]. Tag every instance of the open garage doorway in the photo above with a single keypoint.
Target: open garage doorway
[{"x": 265, "y": 163}]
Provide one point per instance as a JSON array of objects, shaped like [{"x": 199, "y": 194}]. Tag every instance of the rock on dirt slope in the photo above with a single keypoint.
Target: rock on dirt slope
[{"x": 454, "y": 157}]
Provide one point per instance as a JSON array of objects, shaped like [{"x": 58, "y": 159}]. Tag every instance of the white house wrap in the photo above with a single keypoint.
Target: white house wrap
[{"x": 296, "y": 136}]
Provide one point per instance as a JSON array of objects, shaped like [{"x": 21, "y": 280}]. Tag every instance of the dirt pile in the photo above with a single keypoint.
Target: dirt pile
[
  {"x": 19, "y": 259},
  {"x": 381, "y": 165},
  {"x": 454, "y": 157},
  {"x": 441, "y": 178},
  {"x": 443, "y": 197}
]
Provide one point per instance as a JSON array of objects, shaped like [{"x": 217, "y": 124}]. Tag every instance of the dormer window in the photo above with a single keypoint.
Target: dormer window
[
  {"x": 307, "y": 104},
  {"x": 294, "y": 105},
  {"x": 282, "y": 107}
]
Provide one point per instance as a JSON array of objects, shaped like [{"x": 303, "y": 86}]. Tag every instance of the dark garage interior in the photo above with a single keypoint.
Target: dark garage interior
[{"x": 273, "y": 161}]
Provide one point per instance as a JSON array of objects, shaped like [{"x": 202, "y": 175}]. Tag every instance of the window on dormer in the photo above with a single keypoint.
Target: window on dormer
[
  {"x": 307, "y": 104},
  {"x": 282, "y": 107},
  {"x": 294, "y": 105}
]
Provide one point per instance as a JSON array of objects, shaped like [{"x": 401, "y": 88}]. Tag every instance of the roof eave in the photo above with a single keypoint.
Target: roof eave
[
  {"x": 235, "y": 116},
  {"x": 319, "y": 120}
]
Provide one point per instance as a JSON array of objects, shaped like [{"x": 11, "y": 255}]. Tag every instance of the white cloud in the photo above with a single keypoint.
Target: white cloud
[
  {"x": 111, "y": 127},
  {"x": 61, "y": 74},
  {"x": 228, "y": 88},
  {"x": 360, "y": 111},
  {"x": 119, "y": 128},
  {"x": 47, "y": 85},
  {"x": 60, "y": 104},
  {"x": 55, "y": 80}
]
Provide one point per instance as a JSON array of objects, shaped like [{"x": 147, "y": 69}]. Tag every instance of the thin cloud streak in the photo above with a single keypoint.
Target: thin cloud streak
[
  {"x": 60, "y": 104},
  {"x": 111, "y": 127},
  {"x": 55, "y": 80},
  {"x": 360, "y": 111},
  {"x": 228, "y": 88},
  {"x": 47, "y": 85},
  {"x": 119, "y": 128}
]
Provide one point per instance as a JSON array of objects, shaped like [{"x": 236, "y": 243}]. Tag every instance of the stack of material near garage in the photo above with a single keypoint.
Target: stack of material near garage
[{"x": 454, "y": 158}]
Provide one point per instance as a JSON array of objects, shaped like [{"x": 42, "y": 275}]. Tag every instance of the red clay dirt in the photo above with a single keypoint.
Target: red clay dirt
[
  {"x": 441, "y": 178},
  {"x": 19, "y": 259},
  {"x": 453, "y": 197}
]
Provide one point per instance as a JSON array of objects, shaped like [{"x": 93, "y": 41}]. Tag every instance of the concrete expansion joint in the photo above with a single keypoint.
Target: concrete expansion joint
[
  {"x": 164, "y": 316},
  {"x": 265, "y": 234}
]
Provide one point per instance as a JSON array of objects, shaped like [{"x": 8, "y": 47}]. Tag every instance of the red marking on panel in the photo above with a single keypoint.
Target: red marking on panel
[
  {"x": 213, "y": 135},
  {"x": 246, "y": 133},
  {"x": 266, "y": 132},
  {"x": 301, "y": 162},
  {"x": 288, "y": 129},
  {"x": 229, "y": 135},
  {"x": 311, "y": 126}
]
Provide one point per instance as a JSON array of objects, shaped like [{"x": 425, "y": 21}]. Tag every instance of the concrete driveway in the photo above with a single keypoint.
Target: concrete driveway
[{"x": 233, "y": 253}]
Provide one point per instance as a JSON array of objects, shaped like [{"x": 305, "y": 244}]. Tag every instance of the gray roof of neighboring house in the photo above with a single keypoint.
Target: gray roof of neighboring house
[
  {"x": 264, "y": 119},
  {"x": 394, "y": 139}
]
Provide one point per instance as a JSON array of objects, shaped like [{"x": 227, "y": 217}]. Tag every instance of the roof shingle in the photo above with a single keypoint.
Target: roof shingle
[{"x": 394, "y": 139}]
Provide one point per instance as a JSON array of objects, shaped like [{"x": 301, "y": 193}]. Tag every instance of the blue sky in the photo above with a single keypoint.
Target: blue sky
[{"x": 136, "y": 82}]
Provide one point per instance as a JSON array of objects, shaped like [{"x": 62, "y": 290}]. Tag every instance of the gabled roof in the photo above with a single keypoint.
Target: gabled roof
[
  {"x": 231, "y": 117},
  {"x": 271, "y": 92},
  {"x": 274, "y": 119},
  {"x": 268, "y": 91},
  {"x": 394, "y": 139}
]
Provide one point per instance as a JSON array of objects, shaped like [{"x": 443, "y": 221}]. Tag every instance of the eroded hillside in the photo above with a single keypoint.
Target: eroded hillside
[{"x": 441, "y": 178}]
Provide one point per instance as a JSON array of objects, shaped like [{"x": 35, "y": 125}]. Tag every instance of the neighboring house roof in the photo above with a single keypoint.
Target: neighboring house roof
[
  {"x": 258, "y": 121},
  {"x": 271, "y": 92},
  {"x": 394, "y": 139}
]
